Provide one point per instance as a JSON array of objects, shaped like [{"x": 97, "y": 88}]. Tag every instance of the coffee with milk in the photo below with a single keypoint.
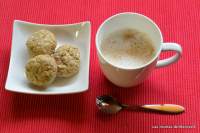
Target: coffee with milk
[{"x": 128, "y": 48}]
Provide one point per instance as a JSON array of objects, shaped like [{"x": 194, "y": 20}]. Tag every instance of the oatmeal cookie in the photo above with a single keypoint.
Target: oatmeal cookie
[
  {"x": 41, "y": 70},
  {"x": 68, "y": 60},
  {"x": 41, "y": 42}
]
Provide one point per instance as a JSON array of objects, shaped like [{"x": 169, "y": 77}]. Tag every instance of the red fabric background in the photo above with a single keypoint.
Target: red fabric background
[{"x": 179, "y": 83}]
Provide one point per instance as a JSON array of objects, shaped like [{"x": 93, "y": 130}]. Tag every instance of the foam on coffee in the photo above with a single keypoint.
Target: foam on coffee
[{"x": 127, "y": 48}]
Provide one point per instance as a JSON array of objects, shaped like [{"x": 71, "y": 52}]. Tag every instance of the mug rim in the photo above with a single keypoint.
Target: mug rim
[{"x": 130, "y": 13}]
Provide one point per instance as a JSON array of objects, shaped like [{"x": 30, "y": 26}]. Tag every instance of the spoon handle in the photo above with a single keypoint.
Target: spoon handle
[{"x": 164, "y": 108}]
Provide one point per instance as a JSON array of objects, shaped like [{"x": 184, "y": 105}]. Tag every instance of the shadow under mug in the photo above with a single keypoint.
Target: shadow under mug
[{"x": 128, "y": 77}]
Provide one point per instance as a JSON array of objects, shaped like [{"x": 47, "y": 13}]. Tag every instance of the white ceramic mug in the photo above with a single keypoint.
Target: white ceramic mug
[{"x": 133, "y": 76}]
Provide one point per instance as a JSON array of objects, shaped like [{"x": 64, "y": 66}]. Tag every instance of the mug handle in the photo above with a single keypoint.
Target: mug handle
[{"x": 170, "y": 47}]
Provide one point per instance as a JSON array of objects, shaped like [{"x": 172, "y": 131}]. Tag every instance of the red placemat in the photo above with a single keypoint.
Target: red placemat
[{"x": 178, "y": 83}]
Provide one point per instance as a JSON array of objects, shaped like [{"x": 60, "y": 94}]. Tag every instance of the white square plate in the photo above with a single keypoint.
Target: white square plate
[{"x": 74, "y": 34}]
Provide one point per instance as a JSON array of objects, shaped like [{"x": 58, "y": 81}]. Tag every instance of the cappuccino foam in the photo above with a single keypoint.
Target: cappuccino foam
[{"x": 127, "y": 48}]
